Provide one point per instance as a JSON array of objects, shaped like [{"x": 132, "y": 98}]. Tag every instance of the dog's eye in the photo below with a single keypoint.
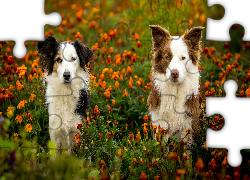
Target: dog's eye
[
  {"x": 183, "y": 58},
  {"x": 167, "y": 57},
  {"x": 73, "y": 58},
  {"x": 59, "y": 60}
]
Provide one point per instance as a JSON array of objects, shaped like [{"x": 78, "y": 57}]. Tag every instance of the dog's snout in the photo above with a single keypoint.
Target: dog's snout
[
  {"x": 174, "y": 73},
  {"x": 66, "y": 75}
]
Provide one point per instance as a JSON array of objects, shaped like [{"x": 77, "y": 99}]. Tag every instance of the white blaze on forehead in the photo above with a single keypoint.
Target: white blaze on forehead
[
  {"x": 68, "y": 52},
  {"x": 178, "y": 47}
]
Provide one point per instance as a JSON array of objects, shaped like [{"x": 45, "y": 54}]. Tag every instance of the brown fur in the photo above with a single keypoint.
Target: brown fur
[
  {"x": 160, "y": 49},
  {"x": 194, "y": 111},
  {"x": 192, "y": 40},
  {"x": 56, "y": 64},
  {"x": 161, "y": 40},
  {"x": 154, "y": 99}
]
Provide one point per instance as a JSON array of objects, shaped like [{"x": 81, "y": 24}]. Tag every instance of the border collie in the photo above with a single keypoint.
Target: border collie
[
  {"x": 67, "y": 81},
  {"x": 174, "y": 97}
]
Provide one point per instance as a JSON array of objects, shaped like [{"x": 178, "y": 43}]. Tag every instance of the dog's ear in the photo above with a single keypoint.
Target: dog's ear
[
  {"x": 194, "y": 35},
  {"x": 159, "y": 35},
  {"x": 84, "y": 53},
  {"x": 46, "y": 51}
]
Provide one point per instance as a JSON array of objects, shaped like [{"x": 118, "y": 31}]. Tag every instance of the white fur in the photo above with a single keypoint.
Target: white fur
[
  {"x": 62, "y": 131},
  {"x": 175, "y": 94},
  {"x": 68, "y": 64}
]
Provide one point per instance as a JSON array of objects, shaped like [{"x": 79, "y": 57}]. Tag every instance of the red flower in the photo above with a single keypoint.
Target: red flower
[
  {"x": 79, "y": 126},
  {"x": 10, "y": 60},
  {"x": 78, "y": 35},
  {"x": 9, "y": 79}
]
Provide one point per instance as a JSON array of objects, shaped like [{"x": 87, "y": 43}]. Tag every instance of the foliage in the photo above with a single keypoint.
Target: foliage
[{"x": 117, "y": 141}]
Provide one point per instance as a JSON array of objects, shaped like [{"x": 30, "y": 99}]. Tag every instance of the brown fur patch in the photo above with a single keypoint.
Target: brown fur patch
[
  {"x": 154, "y": 99},
  {"x": 161, "y": 40},
  {"x": 56, "y": 64},
  {"x": 194, "y": 112},
  {"x": 192, "y": 39}
]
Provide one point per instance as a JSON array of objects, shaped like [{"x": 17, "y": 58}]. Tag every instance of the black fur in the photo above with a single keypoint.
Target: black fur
[
  {"x": 84, "y": 53},
  {"x": 83, "y": 103},
  {"x": 47, "y": 51}
]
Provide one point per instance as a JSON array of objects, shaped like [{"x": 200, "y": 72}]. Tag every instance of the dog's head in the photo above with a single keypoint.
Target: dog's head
[
  {"x": 175, "y": 56},
  {"x": 63, "y": 58}
]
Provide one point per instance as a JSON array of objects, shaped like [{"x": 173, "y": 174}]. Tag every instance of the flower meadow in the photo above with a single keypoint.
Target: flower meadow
[{"x": 118, "y": 140}]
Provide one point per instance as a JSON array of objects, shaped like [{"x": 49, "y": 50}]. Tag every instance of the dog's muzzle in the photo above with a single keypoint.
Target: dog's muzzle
[
  {"x": 174, "y": 75},
  {"x": 66, "y": 76}
]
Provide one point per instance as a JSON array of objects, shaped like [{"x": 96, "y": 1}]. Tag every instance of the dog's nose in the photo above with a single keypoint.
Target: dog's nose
[
  {"x": 66, "y": 75},
  {"x": 174, "y": 73}
]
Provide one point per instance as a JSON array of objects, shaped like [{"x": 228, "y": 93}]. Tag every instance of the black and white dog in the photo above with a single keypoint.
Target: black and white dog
[{"x": 67, "y": 80}]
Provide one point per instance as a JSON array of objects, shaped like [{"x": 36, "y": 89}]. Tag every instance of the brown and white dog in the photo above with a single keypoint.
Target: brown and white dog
[
  {"x": 173, "y": 100},
  {"x": 67, "y": 81}
]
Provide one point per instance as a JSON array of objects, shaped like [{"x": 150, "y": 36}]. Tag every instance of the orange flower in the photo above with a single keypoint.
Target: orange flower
[
  {"x": 111, "y": 50},
  {"x": 10, "y": 111},
  {"x": 129, "y": 70},
  {"x": 102, "y": 77},
  {"x": 115, "y": 76},
  {"x": 138, "y": 138},
  {"x": 39, "y": 71},
  {"x": 119, "y": 153},
  {"x": 77, "y": 136},
  {"x": 109, "y": 60},
  {"x": 19, "y": 119},
  {"x": 199, "y": 165},
  {"x": 116, "y": 85},
  {"x": 21, "y": 104},
  {"x": 19, "y": 85},
  {"x": 78, "y": 35},
  {"x": 136, "y": 37},
  {"x": 145, "y": 118},
  {"x": 1, "y": 114},
  {"x": 34, "y": 64},
  {"x": 30, "y": 117},
  {"x": 138, "y": 44},
  {"x": 130, "y": 85},
  {"x": 30, "y": 78},
  {"x": 206, "y": 85},
  {"x": 118, "y": 61},
  {"x": 32, "y": 97},
  {"x": 110, "y": 88},
  {"x": 28, "y": 128},
  {"x": 15, "y": 135},
  {"x": 143, "y": 176},
  {"x": 11, "y": 87},
  {"x": 113, "y": 102},
  {"x": 96, "y": 110},
  {"x": 123, "y": 71},
  {"x": 138, "y": 83},
  {"x": 172, "y": 155},
  {"x": 107, "y": 93},
  {"x": 103, "y": 85},
  {"x": 213, "y": 165},
  {"x": 110, "y": 72},
  {"x": 224, "y": 163},
  {"x": 22, "y": 71},
  {"x": 121, "y": 78},
  {"x": 125, "y": 93},
  {"x": 105, "y": 70}
]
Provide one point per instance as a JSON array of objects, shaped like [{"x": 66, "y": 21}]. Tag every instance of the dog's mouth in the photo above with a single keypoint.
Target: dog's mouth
[
  {"x": 175, "y": 80},
  {"x": 66, "y": 81}
]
